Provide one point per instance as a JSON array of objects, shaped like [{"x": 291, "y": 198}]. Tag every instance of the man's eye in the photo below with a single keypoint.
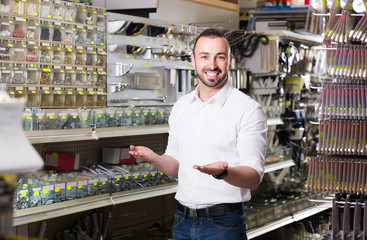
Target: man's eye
[{"x": 204, "y": 57}]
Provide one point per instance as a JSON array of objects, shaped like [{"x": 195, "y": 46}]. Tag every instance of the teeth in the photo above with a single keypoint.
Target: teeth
[{"x": 212, "y": 74}]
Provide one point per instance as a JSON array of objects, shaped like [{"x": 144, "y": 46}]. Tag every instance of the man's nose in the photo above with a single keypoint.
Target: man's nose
[{"x": 212, "y": 63}]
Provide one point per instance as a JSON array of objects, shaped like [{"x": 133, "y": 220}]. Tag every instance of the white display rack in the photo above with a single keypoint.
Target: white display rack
[
  {"x": 67, "y": 135},
  {"x": 295, "y": 217},
  {"x": 279, "y": 165},
  {"x": 35, "y": 214},
  {"x": 313, "y": 39},
  {"x": 274, "y": 121}
]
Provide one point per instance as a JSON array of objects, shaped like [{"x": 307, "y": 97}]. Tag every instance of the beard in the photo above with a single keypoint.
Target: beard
[{"x": 212, "y": 82}]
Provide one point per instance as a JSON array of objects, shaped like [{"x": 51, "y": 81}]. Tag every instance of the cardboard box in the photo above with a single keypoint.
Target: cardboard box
[
  {"x": 62, "y": 161},
  {"x": 117, "y": 155}
]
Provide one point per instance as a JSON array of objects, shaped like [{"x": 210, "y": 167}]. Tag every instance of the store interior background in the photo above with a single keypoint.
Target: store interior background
[{"x": 279, "y": 60}]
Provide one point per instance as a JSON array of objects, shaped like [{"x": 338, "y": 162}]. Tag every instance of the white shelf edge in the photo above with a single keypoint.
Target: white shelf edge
[
  {"x": 311, "y": 211},
  {"x": 252, "y": 233},
  {"x": 66, "y": 135},
  {"x": 310, "y": 38},
  {"x": 54, "y": 210},
  {"x": 295, "y": 217},
  {"x": 279, "y": 165},
  {"x": 274, "y": 121},
  {"x": 131, "y": 131}
]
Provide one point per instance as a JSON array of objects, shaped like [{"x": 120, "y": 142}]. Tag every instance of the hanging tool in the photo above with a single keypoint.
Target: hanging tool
[{"x": 249, "y": 45}]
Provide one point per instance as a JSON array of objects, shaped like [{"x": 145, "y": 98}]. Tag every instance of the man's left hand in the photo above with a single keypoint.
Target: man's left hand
[{"x": 212, "y": 168}]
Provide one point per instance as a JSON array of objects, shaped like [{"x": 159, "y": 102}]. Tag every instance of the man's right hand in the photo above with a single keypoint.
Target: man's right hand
[{"x": 143, "y": 153}]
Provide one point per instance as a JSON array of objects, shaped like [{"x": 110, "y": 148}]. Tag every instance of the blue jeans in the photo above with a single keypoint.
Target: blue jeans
[{"x": 232, "y": 226}]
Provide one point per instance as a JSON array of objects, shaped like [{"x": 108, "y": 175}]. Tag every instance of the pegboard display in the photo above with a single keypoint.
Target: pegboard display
[
  {"x": 147, "y": 63},
  {"x": 129, "y": 218},
  {"x": 91, "y": 151}
]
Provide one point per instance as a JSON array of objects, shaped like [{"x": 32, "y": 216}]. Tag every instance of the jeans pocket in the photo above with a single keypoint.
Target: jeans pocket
[
  {"x": 178, "y": 219},
  {"x": 232, "y": 220}
]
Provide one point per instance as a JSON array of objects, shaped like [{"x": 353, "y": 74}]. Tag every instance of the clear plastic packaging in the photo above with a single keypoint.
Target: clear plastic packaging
[
  {"x": 57, "y": 55},
  {"x": 45, "y": 34},
  {"x": 19, "y": 77},
  {"x": 18, "y": 7},
  {"x": 81, "y": 14},
  {"x": 31, "y": 32},
  {"x": 46, "y": 77},
  {"x": 101, "y": 98},
  {"x": 59, "y": 98},
  {"x": 127, "y": 117},
  {"x": 80, "y": 98},
  {"x": 90, "y": 79},
  {"x": 32, "y": 98},
  {"x": 69, "y": 36},
  {"x": 6, "y": 76},
  {"x": 5, "y": 28},
  {"x": 98, "y": 118},
  {"x": 19, "y": 30},
  {"x": 18, "y": 54},
  {"x": 84, "y": 116},
  {"x": 111, "y": 118},
  {"x": 80, "y": 36},
  {"x": 69, "y": 98},
  {"x": 80, "y": 57},
  {"x": 32, "y": 7},
  {"x": 70, "y": 12},
  {"x": 32, "y": 76},
  {"x": 32, "y": 54},
  {"x": 28, "y": 120},
  {"x": 46, "y": 9},
  {"x": 69, "y": 56},
  {"x": 51, "y": 121},
  {"x": 91, "y": 37},
  {"x": 91, "y": 98},
  {"x": 57, "y": 35},
  {"x": 90, "y": 58},
  {"x": 45, "y": 54},
  {"x": 58, "y": 77},
  {"x": 46, "y": 98},
  {"x": 80, "y": 78},
  {"x": 101, "y": 80},
  {"x": 4, "y": 53},
  {"x": 58, "y": 12},
  {"x": 69, "y": 78}
]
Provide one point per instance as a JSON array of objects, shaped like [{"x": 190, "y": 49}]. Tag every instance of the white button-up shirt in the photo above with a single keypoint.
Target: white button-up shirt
[{"x": 229, "y": 127}]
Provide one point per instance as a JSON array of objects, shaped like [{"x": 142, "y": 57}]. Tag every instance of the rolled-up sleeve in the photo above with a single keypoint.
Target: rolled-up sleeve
[{"x": 251, "y": 140}]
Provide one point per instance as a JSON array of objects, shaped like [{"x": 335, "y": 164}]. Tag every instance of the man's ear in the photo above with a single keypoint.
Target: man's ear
[{"x": 230, "y": 61}]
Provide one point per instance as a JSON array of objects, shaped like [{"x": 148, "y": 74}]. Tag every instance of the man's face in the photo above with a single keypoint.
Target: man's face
[{"x": 211, "y": 59}]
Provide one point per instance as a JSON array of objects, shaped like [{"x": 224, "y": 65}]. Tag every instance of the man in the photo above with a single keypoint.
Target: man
[{"x": 216, "y": 148}]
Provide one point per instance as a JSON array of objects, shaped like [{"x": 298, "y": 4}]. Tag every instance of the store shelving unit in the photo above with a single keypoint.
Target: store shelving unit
[
  {"x": 67, "y": 135},
  {"x": 253, "y": 233},
  {"x": 30, "y": 215}
]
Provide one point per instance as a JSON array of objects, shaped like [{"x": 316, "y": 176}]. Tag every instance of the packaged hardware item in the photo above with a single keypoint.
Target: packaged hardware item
[
  {"x": 62, "y": 161},
  {"x": 117, "y": 155}
]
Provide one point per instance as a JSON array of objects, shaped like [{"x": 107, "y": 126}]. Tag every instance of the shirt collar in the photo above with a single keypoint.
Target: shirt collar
[{"x": 220, "y": 97}]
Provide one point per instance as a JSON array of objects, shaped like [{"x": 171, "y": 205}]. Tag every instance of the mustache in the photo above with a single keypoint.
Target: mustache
[{"x": 215, "y": 69}]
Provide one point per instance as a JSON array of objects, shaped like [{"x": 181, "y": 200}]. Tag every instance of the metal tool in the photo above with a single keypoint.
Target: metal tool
[
  {"x": 162, "y": 99},
  {"x": 118, "y": 87}
]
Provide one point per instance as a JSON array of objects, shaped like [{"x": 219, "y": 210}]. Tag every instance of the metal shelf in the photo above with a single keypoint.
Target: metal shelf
[
  {"x": 253, "y": 233},
  {"x": 279, "y": 165},
  {"x": 131, "y": 131},
  {"x": 67, "y": 135},
  {"x": 54, "y": 210},
  {"x": 312, "y": 39},
  {"x": 274, "y": 121}
]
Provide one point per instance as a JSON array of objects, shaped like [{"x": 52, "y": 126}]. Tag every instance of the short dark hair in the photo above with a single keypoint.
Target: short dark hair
[{"x": 210, "y": 32}]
